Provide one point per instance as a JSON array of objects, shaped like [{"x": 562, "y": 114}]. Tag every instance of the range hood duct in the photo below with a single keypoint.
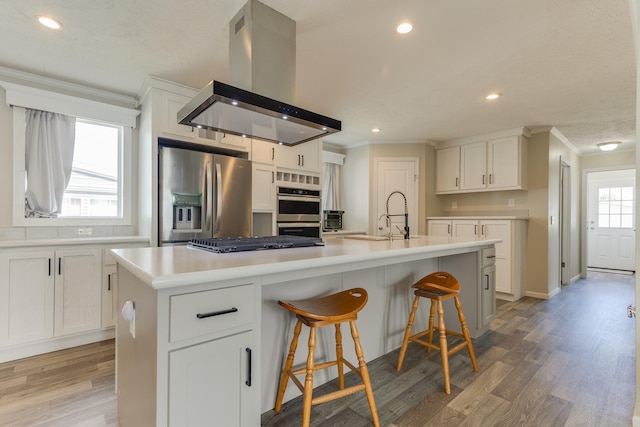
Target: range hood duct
[{"x": 262, "y": 68}]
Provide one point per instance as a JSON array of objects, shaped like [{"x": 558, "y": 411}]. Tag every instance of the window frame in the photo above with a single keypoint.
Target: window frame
[{"x": 19, "y": 174}]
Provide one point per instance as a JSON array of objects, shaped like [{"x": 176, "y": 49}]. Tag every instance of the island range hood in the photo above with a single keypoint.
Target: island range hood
[{"x": 262, "y": 69}]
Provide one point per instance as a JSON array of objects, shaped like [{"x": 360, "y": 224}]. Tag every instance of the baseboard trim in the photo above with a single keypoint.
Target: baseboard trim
[{"x": 8, "y": 354}]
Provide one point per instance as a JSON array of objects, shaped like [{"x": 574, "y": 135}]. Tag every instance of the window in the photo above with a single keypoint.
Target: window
[
  {"x": 93, "y": 189},
  {"x": 615, "y": 207}
]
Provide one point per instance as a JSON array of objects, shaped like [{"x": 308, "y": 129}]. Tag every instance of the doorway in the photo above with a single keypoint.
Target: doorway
[
  {"x": 565, "y": 221},
  {"x": 611, "y": 220},
  {"x": 396, "y": 174}
]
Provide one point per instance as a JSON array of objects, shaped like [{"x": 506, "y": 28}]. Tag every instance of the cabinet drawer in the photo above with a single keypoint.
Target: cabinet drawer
[
  {"x": 207, "y": 312},
  {"x": 488, "y": 256}
]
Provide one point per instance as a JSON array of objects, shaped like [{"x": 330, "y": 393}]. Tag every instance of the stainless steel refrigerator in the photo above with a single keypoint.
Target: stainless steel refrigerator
[{"x": 202, "y": 195}]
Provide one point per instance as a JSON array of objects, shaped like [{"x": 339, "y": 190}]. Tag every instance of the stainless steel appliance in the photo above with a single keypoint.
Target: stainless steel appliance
[
  {"x": 332, "y": 220},
  {"x": 202, "y": 195},
  {"x": 239, "y": 244},
  {"x": 298, "y": 212}
]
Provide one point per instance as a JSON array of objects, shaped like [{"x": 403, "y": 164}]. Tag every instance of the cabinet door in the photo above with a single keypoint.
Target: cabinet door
[
  {"x": 504, "y": 163},
  {"x": 488, "y": 295},
  {"x": 465, "y": 228},
  {"x": 263, "y": 151},
  {"x": 171, "y": 104},
  {"x": 109, "y": 295},
  {"x": 473, "y": 165},
  {"x": 438, "y": 227},
  {"x": 288, "y": 157},
  {"x": 263, "y": 190},
  {"x": 78, "y": 293},
  {"x": 26, "y": 297},
  {"x": 310, "y": 155},
  {"x": 496, "y": 229},
  {"x": 447, "y": 169},
  {"x": 214, "y": 383}
]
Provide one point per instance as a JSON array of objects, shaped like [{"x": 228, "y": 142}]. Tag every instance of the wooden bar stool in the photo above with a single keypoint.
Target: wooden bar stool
[
  {"x": 330, "y": 310},
  {"x": 438, "y": 287}
]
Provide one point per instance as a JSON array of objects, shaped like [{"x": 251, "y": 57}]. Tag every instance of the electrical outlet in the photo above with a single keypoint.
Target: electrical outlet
[
  {"x": 85, "y": 231},
  {"x": 454, "y": 205},
  {"x": 511, "y": 202}
]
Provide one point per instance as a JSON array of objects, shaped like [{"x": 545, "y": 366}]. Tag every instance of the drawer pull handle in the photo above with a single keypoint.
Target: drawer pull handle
[
  {"x": 216, "y": 313},
  {"x": 491, "y": 256},
  {"x": 248, "y": 381}
]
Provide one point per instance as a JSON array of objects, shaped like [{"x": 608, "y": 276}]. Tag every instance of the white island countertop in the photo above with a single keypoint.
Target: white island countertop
[{"x": 174, "y": 266}]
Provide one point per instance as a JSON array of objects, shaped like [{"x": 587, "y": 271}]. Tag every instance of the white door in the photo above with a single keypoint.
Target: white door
[
  {"x": 396, "y": 175},
  {"x": 611, "y": 219}
]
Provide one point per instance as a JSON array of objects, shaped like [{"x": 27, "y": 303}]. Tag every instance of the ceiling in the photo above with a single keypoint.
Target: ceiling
[{"x": 563, "y": 63}]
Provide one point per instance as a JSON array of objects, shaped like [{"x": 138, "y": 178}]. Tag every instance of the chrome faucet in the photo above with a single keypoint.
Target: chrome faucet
[{"x": 406, "y": 214}]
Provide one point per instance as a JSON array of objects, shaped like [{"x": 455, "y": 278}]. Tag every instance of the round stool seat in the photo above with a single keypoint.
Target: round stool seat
[{"x": 334, "y": 308}]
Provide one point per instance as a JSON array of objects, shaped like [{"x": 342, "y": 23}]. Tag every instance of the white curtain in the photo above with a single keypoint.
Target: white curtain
[
  {"x": 50, "y": 138},
  {"x": 331, "y": 187}
]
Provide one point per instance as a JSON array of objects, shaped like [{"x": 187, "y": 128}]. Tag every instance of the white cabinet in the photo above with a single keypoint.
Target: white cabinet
[
  {"x": 47, "y": 293},
  {"x": 306, "y": 156},
  {"x": 263, "y": 151},
  {"x": 439, "y": 227},
  {"x": 488, "y": 292},
  {"x": 473, "y": 166},
  {"x": 201, "y": 354},
  {"x": 26, "y": 297},
  {"x": 263, "y": 189},
  {"x": 171, "y": 104},
  {"x": 213, "y": 381},
  {"x": 448, "y": 170},
  {"x": 509, "y": 255},
  {"x": 497, "y": 164},
  {"x": 506, "y": 162}
]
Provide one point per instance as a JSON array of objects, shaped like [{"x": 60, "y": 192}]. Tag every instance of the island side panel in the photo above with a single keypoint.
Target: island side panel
[{"x": 136, "y": 358}]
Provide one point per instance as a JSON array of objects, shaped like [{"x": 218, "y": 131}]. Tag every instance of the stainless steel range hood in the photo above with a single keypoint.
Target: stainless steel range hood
[{"x": 262, "y": 67}]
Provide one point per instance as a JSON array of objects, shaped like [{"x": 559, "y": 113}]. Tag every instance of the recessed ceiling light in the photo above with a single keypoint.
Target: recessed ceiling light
[
  {"x": 49, "y": 22},
  {"x": 375, "y": 130},
  {"x": 608, "y": 146},
  {"x": 492, "y": 96},
  {"x": 404, "y": 28}
]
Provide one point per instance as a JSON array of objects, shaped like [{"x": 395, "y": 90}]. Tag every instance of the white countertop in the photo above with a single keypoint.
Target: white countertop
[
  {"x": 172, "y": 266},
  {"x": 107, "y": 240},
  {"x": 480, "y": 217}
]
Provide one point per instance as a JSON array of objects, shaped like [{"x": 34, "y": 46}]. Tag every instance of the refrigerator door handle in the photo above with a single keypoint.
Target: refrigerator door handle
[
  {"x": 209, "y": 202},
  {"x": 218, "y": 198}
]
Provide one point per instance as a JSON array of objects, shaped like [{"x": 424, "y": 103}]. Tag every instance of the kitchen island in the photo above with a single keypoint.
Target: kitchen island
[{"x": 207, "y": 339}]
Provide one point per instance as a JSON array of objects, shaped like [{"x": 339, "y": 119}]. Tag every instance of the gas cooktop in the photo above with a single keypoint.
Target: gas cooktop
[{"x": 238, "y": 244}]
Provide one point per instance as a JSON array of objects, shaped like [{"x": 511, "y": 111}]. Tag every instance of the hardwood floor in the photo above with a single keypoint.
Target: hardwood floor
[{"x": 569, "y": 361}]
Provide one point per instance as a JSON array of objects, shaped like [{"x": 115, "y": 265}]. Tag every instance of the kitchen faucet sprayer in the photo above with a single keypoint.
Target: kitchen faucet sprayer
[{"x": 406, "y": 212}]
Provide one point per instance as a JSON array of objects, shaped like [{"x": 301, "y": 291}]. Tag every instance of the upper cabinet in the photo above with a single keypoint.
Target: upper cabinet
[{"x": 496, "y": 164}]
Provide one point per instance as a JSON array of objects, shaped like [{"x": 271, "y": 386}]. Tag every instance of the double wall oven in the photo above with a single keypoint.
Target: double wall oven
[{"x": 298, "y": 212}]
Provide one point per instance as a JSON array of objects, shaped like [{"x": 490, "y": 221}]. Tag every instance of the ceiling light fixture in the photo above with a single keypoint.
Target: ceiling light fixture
[
  {"x": 608, "y": 146},
  {"x": 404, "y": 28},
  {"x": 49, "y": 22},
  {"x": 375, "y": 130},
  {"x": 492, "y": 96}
]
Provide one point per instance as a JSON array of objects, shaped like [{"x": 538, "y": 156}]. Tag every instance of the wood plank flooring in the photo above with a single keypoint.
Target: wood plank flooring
[{"x": 569, "y": 361}]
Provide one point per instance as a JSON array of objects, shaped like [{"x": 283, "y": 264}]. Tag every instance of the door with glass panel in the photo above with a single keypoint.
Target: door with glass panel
[{"x": 611, "y": 220}]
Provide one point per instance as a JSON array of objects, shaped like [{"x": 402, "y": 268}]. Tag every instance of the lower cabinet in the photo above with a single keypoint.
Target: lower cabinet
[
  {"x": 488, "y": 299},
  {"x": 510, "y": 256},
  {"x": 49, "y": 294},
  {"x": 213, "y": 381}
]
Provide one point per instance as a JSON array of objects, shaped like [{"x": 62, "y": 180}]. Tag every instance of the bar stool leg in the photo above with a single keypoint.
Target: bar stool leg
[
  {"x": 407, "y": 332},
  {"x": 444, "y": 352},
  {"x": 287, "y": 366},
  {"x": 308, "y": 380},
  {"x": 465, "y": 332},
  {"x": 432, "y": 312},
  {"x": 364, "y": 373},
  {"x": 339, "y": 356}
]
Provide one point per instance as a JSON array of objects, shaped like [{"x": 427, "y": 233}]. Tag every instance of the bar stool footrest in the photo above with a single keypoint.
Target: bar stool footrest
[{"x": 337, "y": 394}]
